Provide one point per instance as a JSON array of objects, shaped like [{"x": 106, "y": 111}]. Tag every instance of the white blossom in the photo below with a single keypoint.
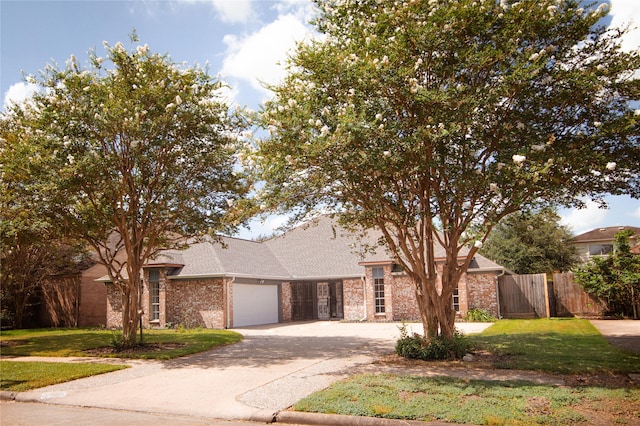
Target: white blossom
[
  {"x": 478, "y": 244},
  {"x": 229, "y": 202},
  {"x": 292, "y": 103},
  {"x": 169, "y": 106},
  {"x": 178, "y": 100},
  {"x": 378, "y": 116},
  {"x": 637, "y": 112},
  {"x": 494, "y": 187},
  {"x": 518, "y": 159},
  {"x": 324, "y": 131},
  {"x": 611, "y": 165},
  {"x": 538, "y": 148},
  {"x": 387, "y": 153},
  {"x": 597, "y": 123}
]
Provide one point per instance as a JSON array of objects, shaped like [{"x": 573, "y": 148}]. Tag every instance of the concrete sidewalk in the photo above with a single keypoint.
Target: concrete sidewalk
[{"x": 271, "y": 369}]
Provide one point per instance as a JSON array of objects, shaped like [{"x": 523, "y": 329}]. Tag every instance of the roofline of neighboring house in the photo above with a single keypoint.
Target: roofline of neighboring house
[{"x": 225, "y": 275}]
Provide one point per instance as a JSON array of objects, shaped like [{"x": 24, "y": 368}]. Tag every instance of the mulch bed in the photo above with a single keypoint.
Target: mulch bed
[{"x": 145, "y": 348}]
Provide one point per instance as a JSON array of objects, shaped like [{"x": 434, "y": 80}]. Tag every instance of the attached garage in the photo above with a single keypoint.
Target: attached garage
[{"x": 255, "y": 304}]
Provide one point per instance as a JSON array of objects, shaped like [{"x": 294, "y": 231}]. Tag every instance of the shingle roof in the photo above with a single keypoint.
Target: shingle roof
[
  {"x": 318, "y": 249},
  {"x": 323, "y": 248},
  {"x": 603, "y": 234}
]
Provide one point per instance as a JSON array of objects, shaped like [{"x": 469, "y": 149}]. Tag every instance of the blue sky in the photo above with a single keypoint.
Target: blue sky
[{"x": 242, "y": 40}]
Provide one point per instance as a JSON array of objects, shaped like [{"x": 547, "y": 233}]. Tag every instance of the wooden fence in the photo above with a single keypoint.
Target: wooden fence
[{"x": 533, "y": 296}]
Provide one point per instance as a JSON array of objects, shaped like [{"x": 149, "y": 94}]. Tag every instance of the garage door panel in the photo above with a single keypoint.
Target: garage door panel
[{"x": 254, "y": 304}]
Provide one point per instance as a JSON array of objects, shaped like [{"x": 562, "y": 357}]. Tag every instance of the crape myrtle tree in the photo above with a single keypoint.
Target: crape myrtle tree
[
  {"x": 132, "y": 158},
  {"x": 532, "y": 242},
  {"x": 422, "y": 116}
]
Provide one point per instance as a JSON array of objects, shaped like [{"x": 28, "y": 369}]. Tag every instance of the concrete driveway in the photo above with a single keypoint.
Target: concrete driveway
[{"x": 272, "y": 368}]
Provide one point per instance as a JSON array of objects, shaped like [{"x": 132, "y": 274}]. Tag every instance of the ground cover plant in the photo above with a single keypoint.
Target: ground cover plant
[
  {"x": 474, "y": 401},
  {"x": 21, "y": 376},
  {"x": 158, "y": 344},
  {"x": 596, "y": 387}
]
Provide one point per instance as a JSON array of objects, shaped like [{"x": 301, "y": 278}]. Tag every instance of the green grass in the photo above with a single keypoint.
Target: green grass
[
  {"x": 564, "y": 346},
  {"x": 567, "y": 346},
  {"x": 471, "y": 401},
  {"x": 74, "y": 342},
  {"x": 22, "y": 376}
]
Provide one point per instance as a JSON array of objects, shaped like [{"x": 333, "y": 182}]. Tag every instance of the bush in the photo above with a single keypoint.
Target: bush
[
  {"x": 416, "y": 346},
  {"x": 479, "y": 315}
]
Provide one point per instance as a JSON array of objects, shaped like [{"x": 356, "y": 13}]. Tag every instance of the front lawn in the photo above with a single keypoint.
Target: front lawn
[
  {"x": 557, "y": 345},
  {"x": 572, "y": 347},
  {"x": 22, "y": 376},
  {"x": 477, "y": 402},
  {"x": 159, "y": 344}
]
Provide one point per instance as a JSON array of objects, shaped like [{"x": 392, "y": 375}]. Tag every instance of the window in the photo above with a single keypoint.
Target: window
[
  {"x": 600, "y": 249},
  {"x": 456, "y": 300},
  {"x": 154, "y": 295},
  {"x": 378, "y": 289}
]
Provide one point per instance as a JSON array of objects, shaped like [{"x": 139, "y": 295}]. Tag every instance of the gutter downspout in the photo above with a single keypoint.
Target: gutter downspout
[
  {"x": 229, "y": 285},
  {"x": 498, "y": 291},
  {"x": 364, "y": 295}
]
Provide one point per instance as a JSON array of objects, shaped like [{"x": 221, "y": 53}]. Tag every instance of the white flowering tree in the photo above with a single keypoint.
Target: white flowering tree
[
  {"x": 424, "y": 116},
  {"x": 131, "y": 158}
]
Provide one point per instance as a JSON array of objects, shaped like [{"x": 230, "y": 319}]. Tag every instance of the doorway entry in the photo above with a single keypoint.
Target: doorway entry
[{"x": 312, "y": 300}]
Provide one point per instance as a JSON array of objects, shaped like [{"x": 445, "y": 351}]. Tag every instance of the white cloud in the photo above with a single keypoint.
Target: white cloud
[
  {"x": 624, "y": 12},
  {"x": 18, "y": 93},
  {"x": 260, "y": 57},
  {"x": 585, "y": 219},
  {"x": 233, "y": 11}
]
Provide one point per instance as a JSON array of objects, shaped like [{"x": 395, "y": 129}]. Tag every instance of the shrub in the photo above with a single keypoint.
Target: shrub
[
  {"x": 479, "y": 315},
  {"x": 416, "y": 346}
]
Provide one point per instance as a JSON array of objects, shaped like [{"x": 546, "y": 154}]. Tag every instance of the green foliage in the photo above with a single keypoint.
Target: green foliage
[
  {"x": 407, "y": 114},
  {"x": 532, "y": 243},
  {"x": 479, "y": 315},
  {"x": 132, "y": 154},
  {"x": 23, "y": 376},
  {"x": 615, "y": 278},
  {"x": 415, "y": 346}
]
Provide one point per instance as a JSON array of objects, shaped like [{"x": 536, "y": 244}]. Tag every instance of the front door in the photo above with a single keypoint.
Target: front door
[{"x": 323, "y": 301}]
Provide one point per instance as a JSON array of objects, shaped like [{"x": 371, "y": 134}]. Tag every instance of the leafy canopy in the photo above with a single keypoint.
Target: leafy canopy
[
  {"x": 532, "y": 243},
  {"x": 408, "y": 114},
  {"x": 132, "y": 158},
  {"x": 614, "y": 278}
]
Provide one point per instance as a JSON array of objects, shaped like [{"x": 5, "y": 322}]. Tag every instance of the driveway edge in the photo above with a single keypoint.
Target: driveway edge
[{"x": 312, "y": 419}]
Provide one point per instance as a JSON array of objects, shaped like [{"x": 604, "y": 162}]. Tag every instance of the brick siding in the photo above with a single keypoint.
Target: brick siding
[{"x": 196, "y": 303}]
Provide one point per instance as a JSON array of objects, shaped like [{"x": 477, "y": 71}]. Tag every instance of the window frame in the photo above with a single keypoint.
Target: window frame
[
  {"x": 378, "y": 290},
  {"x": 154, "y": 295}
]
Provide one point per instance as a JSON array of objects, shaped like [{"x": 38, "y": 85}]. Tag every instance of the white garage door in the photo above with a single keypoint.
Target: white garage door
[{"x": 254, "y": 304}]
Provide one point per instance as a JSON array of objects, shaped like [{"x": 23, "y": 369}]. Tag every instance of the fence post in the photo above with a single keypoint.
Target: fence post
[{"x": 547, "y": 304}]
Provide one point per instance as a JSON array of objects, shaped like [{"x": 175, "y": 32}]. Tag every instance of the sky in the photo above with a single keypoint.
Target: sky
[{"x": 245, "y": 42}]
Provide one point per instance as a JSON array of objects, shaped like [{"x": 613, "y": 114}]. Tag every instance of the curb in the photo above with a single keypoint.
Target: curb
[
  {"x": 312, "y": 419},
  {"x": 8, "y": 396}
]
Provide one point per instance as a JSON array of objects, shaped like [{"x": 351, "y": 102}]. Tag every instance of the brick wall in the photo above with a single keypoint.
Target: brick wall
[
  {"x": 196, "y": 303},
  {"x": 405, "y": 306},
  {"x": 353, "y": 299},
  {"x": 481, "y": 289},
  {"x": 286, "y": 302},
  {"x": 114, "y": 307}
]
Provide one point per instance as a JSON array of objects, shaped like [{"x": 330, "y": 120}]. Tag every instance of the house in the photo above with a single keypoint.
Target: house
[
  {"x": 600, "y": 241},
  {"x": 317, "y": 271}
]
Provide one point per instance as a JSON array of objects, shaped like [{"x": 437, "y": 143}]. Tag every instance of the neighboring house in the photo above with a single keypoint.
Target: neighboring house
[
  {"x": 600, "y": 241},
  {"x": 317, "y": 271}
]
